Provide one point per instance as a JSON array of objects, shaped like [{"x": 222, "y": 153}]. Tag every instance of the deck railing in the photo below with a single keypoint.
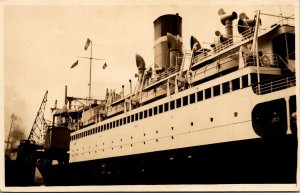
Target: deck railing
[
  {"x": 166, "y": 73},
  {"x": 204, "y": 53},
  {"x": 273, "y": 85},
  {"x": 267, "y": 60}
]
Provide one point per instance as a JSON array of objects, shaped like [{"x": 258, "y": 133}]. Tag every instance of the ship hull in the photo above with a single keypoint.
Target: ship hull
[{"x": 253, "y": 161}]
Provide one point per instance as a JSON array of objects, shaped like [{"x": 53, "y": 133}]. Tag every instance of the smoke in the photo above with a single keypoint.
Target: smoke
[{"x": 17, "y": 130}]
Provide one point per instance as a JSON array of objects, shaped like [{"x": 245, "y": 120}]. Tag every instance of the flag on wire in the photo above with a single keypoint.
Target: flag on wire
[
  {"x": 87, "y": 43},
  {"x": 75, "y": 64},
  {"x": 104, "y": 66}
]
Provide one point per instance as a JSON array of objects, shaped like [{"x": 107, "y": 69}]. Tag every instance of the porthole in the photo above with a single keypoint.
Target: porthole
[{"x": 211, "y": 119}]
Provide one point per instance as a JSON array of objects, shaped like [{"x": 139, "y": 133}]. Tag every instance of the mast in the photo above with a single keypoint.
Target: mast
[
  {"x": 255, "y": 47},
  {"x": 90, "y": 83}
]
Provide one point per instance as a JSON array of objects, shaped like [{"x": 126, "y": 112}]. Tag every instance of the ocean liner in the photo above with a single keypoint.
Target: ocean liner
[{"x": 219, "y": 115}]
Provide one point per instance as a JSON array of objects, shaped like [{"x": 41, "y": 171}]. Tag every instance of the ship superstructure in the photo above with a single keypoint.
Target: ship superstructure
[{"x": 189, "y": 111}]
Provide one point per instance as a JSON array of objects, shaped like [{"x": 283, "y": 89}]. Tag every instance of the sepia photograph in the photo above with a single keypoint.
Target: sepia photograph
[{"x": 149, "y": 95}]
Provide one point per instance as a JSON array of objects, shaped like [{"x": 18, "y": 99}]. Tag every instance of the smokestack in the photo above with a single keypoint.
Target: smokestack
[
  {"x": 165, "y": 24},
  {"x": 226, "y": 20},
  {"x": 123, "y": 91}
]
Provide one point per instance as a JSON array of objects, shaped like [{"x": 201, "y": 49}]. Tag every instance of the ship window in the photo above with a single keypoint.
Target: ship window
[
  {"x": 101, "y": 128},
  {"x": 192, "y": 98},
  {"x": 172, "y": 105},
  {"x": 207, "y": 93},
  {"x": 166, "y": 107},
  {"x": 128, "y": 119},
  {"x": 226, "y": 87},
  {"x": 114, "y": 124},
  {"x": 185, "y": 101},
  {"x": 136, "y": 116},
  {"x": 245, "y": 82},
  {"x": 145, "y": 113},
  {"x": 200, "y": 95},
  {"x": 121, "y": 123},
  {"x": 141, "y": 115},
  {"x": 236, "y": 84},
  {"x": 124, "y": 120},
  {"x": 117, "y": 123},
  {"x": 150, "y": 112},
  {"x": 98, "y": 129},
  {"x": 216, "y": 90},
  {"x": 160, "y": 108},
  {"x": 178, "y": 103},
  {"x": 253, "y": 78},
  {"x": 107, "y": 126},
  {"x": 155, "y": 110},
  {"x": 132, "y": 118}
]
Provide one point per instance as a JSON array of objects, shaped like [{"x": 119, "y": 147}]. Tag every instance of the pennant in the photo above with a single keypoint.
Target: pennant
[
  {"x": 75, "y": 64},
  {"x": 87, "y": 44},
  {"x": 104, "y": 66}
]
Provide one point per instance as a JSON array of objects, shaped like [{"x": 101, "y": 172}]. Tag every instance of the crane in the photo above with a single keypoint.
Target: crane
[{"x": 40, "y": 126}]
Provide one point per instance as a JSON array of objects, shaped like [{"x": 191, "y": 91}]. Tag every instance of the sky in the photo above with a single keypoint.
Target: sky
[{"x": 42, "y": 39}]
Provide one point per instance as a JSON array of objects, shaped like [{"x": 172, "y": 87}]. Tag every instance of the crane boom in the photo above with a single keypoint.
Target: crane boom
[{"x": 39, "y": 127}]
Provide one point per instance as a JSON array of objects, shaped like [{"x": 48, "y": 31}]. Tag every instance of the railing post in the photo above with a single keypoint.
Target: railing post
[{"x": 271, "y": 86}]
